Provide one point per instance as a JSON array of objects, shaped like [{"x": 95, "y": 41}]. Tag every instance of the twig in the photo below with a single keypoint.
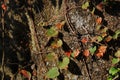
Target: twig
[{"x": 3, "y": 45}]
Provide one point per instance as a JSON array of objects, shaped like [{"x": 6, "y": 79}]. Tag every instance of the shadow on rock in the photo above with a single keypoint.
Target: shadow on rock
[
  {"x": 73, "y": 68},
  {"x": 113, "y": 8}
]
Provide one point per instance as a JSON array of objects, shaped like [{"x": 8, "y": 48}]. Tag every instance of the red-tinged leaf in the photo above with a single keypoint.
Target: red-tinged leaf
[
  {"x": 75, "y": 53},
  {"x": 4, "y": 7},
  {"x": 99, "y": 20},
  {"x": 86, "y": 52},
  {"x": 56, "y": 44},
  {"x": 84, "y": 40},
  {"x": 60, "y": 25},
  {"x": 104, "y": 34},
  {"x": 100, "y": 6},
  {"x": 109, "y": 38},
  {"x": 68, "y": 53},
  {"x": 26, "y": 74},
  {"x": 102, "y": 49},
  {"x": 99, "y": 54}
]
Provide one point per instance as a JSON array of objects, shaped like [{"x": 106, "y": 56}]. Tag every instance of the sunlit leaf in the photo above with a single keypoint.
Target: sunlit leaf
[
  {"x": 115, "y": 60},
  {"x": 113, "y": 71},
  {"x": 99, "y": 38},
  {"x": 85, "y": 5},
  {"x": 59, "y": 43},
  {"x": 117, "y": 54},
  {"x": 116, "y": 35},
  {"x": 52, "y": 32},
  {"x": 64, "y": 63},
  {"x": 92, "y": 50},
  {"x": 50, "y": 56},
  {"x": 52, "y": 73}
]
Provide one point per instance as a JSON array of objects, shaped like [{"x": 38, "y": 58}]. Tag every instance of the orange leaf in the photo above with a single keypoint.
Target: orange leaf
[
  {"x": 99, "y": 54},
  {"x": 102, "y": 49},
  {"x": 104, "y": 34},
  {"x": 84, "y": 40},
  {"x": 4, "y": 7},
  {"x": 60, "y": 25},
  {"x": 76, "y": 53},
  {"x": 99, "y": 20},
  {"x": 108, "y": 39},
  {"x": 86, "y": 52},
  {"x": 26, "y": 74},
  {"x": 68, "y": 53}
]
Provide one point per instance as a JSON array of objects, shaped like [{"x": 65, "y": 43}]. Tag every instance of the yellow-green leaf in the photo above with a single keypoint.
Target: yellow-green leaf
[
  {"x": 64, "y": 63},
  {"x": 52, "y": 32},
  {"x": 85, "y": 5},
  {"x": 115, "y": 60},
  {"x": 113, "y": 71},
  {"x": 92, "y": 50},
  {"x": 117, "y": 54},
  {"x": 116, "y": 35},
  {"x": 99, "y": 38},
  {"x": 52, "y": 73},
  {"x": 50, "y": 56},
  {"x": 59, "y": 43}
]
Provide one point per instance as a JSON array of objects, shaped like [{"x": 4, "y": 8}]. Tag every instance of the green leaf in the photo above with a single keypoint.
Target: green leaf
[
  {"x": 92, "y": 50},
  {"x": 85, "y": 5},
  {"x": 52, "y": 32},
  {"x": 59, "y": 43},
  {"x": 64, "y": 63},
  {"x": 115, "y": 60},
  {"x": 113, "y": 71},
  {"x": 50, "y": 56},
  {"x": 117, "y": 54},
  {"x": 52, "y": 73},
  {"x": 110, "y": 77},
  {"x": 115, "y": 36},
  {"x": 99, "y": 38}
]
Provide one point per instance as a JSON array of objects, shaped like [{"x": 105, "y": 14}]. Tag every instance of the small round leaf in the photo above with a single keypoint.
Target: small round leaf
[{"x": 52, "y": 73}]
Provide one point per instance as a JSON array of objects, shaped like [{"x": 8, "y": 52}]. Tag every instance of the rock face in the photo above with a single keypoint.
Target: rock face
[
  {"x": 82, "y": 20},
  {"x": 26, "y": 42}
]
